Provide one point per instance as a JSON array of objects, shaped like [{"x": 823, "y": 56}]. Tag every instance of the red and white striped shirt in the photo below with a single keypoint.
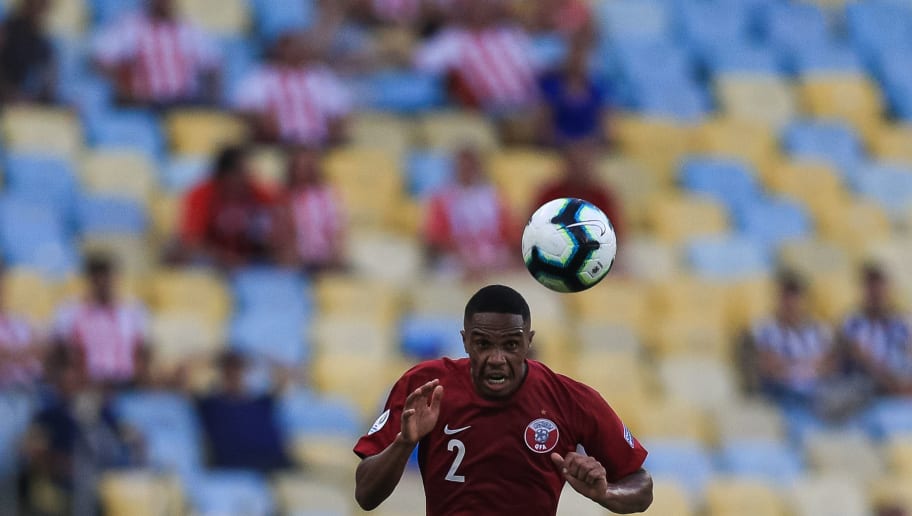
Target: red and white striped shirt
[
  {"x": 473, "y": 223},
  {"x": 165, "y": 58},
  {"x": 108, "y": 337},
  {"x": 303, "y": 100},
  {"x": 16, "y": 336},
  {"x": 318, "y": 223},
  {"x": 496, "y": 64}
]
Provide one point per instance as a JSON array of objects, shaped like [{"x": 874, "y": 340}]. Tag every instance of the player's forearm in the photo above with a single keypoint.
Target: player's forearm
[
  {"x": 377, "y": 476},
  {"x": 632, "y": 493}
]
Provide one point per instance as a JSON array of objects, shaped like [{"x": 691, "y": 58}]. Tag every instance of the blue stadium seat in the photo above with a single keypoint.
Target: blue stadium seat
[
  {"x": 770, "y": 461},
  {"x": 106, "y": 11},
  {"x": 230, "y": 493},
  {"x": 431, "y": 337},
  {"x": 168, "y": 425},
  {"x": 831, "y": 142},
  {"x": 40, "y": 179},
  {"x": 727, "y": 258},
  {"x": 790, "y": 26},
  {"x": 427, "y": 172},
  {"x": 399, "y": 91},
  {"x": 239, "y": 57},
  {"x": 825, "y": 59},
  {"x": 273, "y": 17},
  {"x": 890, "y": 417},
  {"x": 743, "y": 58},
  {"x": 877, "y": 25},
  {"x": 774, "y": 221},
  {"x": 304, "y": 412},
  {"x": 726, "y": 180},
  {"x": 634, "y": 19},
  {"x": 684, "y": 101},
  {"x": 889, "y": 185},
  {"x": 16, "y": 411},
  {"x": 99, "y": 215},
  {"x": 274, "y": 336},
  {"x": 89, "y": 94},
  {"x": 34, "y": 234},
  {"x": 549, "y": 50},
  {"x": 133, "y": 129},
  {"x": 181, "y": 173},
  {"x": 713, "y": 24},
  {"x": 652, "y": 62},
  {"x": 686, "y": 462},
  {"x": 271, "y": 289}
]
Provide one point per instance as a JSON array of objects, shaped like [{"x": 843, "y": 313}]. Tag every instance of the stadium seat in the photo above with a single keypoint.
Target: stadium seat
[
  {"x": 751, "y": 420},
  {"x": 683, "y": 100},
  {"x": 273, "y": 17},
  {"x": 521, "y": 174},
  {"x": 825, "y": 59},
  {"x": 742, "y": 58},
  {"x": 400, "y": 91},
  {"x": 348, "y": 295},
  {"x": 179, "y": 338},
  {"x": 364, "y": 337},
  {"x": 677, "y": 218},
  {"x": 685, "y": 336},
  {"x": 106, "y": 11},
  {"x": 52, "y": 132},
  {"x": 381, "y": 130},
  {"x": 301, "y": 494},
  {"x": 572, "y": 503},
  {"x": 302, "y": 412},
  {"x": 711, "y": 25},
  {"x": 217, "y": 17},
  {"x": 220, "y": 493},
  {"x": 766, "y": 100},
  {"x": 331, "y": 455},
  {"x": 428, "y": 172},
  {"x": 774, "y": 222},
  {"x": 888, "y": 185},
  {"x": 428, "y": 338},
  {"x": 852, "y": 98},
  {"x": 855, "y": 225},
  {"x": 119, "y": 174},
  {"x": 658, "y": 143},
  {"x": 270, "y": 335},
  {"x": 363, "y": 380},
  {"x": 789, "y": 26},
  {"x": 833, "y": 143},
  {"x": 772, "y": 462},
  {"x": 270, "y": 289},
  {"x": 728, "y": 181},
  {"x": 33, "y": 234},
  {"x": 67, "y": 18},
  {"x": 369, "y": 182},
  {"x": 898, "y": 453},
  {"x": 131, "y": 252},
  {"x": 703, "y": 381},
  {"x": 642, "y": 62},
  {"x": 815, "y": 184},
  {"x": 666, "y": 419},
  {"x": 384, "y": 256},
  {"x": 670, "y": 499},
  {"x": 193, "y": 292},
  {"x": 833, "y": 295},
  {"x": 685, "y": 462},
  {"x": 648, "y": 259},
  {"x": 877, "y": 26},
  {"x": 632, "y": 20},
  {"x": 40, "y": 178},
  {"x": 813, "y": 257},
  {"x": 619, "y": 301},
  {"x": 140, "y": 493},
  {"x": 126, "y": 130},
  {"x": 164, "y": 215},
  {"x": 690, "y": 296},
  {"x": 633, "y": 185},
  {"x": 167, "y": 423},
  {"x": 181, "y": 173},
  {"x": 892, "y": 493},
  {"x": 449, "y": 130},
  {"x": 817, "y": 494},
  {"x": 733, "y": 496},
  {"x": 753, "y": 143},
  {"x": 620, "y": 377},
  {"x": 893, "y": 143},
  {"x": 198, "y": 132},
  {"x": 29, "y": 294},
  {"x": 103, "y": 215},
  {"x": 890, "y": 417},
  {"x": 844, "y": 452},
  {"x": 407, "y": 499}
]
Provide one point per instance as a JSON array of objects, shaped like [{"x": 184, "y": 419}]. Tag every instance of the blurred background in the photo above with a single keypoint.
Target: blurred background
[{"x": 227, "y": 226}]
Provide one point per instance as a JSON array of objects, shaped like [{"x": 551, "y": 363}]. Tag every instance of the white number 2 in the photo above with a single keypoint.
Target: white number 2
[{"x": 459, "y": 446}]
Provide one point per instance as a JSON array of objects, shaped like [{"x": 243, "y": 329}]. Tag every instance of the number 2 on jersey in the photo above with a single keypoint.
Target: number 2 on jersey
[{"x": 459, "y": 446}]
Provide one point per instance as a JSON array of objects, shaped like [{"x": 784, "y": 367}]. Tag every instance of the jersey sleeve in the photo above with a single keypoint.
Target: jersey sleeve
[
  {"x": 606, "y": 438},
  {"x": 385, "y": 429}
]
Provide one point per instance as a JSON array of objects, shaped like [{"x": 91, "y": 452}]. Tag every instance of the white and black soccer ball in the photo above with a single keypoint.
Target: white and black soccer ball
[{"x": 569, "y": 245}]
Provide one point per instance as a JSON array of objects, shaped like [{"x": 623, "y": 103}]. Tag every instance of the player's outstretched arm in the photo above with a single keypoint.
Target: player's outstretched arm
[
  {"x": 588, "y": 477},
  {"x": 377, "y": 476}
]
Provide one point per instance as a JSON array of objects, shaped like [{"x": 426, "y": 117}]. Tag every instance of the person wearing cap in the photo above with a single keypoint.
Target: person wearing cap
[{"x": 878, "y": 337}]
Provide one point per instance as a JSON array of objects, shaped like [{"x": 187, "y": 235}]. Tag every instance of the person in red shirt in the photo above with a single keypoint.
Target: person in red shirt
[
  {"x": 498, "y": 433},
  {"x": 579, "y": 180},
  {"x": 228, "y": 219}
]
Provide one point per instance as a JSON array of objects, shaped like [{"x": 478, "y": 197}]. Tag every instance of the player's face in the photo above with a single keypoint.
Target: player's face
[{"x": 497, "y": 345}]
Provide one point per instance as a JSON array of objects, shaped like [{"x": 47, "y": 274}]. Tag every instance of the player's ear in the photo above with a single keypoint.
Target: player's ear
[
  {"x": 465, "y": 343},
  {"x": 531, "y": 336}
]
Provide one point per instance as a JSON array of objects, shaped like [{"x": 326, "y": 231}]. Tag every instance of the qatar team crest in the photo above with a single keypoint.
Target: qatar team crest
[{"x": 541, "y": 435}]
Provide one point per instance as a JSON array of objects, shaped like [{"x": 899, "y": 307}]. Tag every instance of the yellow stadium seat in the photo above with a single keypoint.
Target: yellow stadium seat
[
  {"x": 385, "y": 256},
  {"x": 892, "y": 495},
  {"x": 685, "y": 335},
  {"x": 381, "y": 131},
  {"x": 44, "y": 130},
  {"x": 407, "y": 500},
  {"x": 347, "y": 294},
  {"x": 202, "y": 132},
  {"x": 454, "y": 129},
  {"x": 119, "y": 174},
  {"x": 132, "y": 254},
  {"x": 665, "y": 418},
  {"x": 833, "y": 295},
  {"x": 555, "y": 345},
  {"x": 749, "y": 300},
  {"x": 269, "y": 166},
  {"x": 364, "y": 380},
  {"x": 165, "y": 215},
  {"x": 899, "y": 455},
  {"x": 847, "y": 453},
  {"x": 670, "y": 499},
  {"x": 677, "y": 218},
  {"x": 572, "y": 503},
  {"x": 194, "y": 292},
  {"x": 748, "y": 420},
  {"x": 331, "y": 455},
  {"x": 688, "y": 295},
  {"x": 299, "y": 493},
  {"x": 656, "y": 142},
  {"x": 763, "y": 99},
  {"x": 140, "y": 493},
  {"x": 633, "y": 185},
  {"x": 750, "y": 142},
  {"x": 647, "y": 259},
  {"x": 738, "y": 497},
  {"x": 600, "y": 337},
  {"x": 219, "y": 17},
  {"x": 28, "y": 293},
  {"x": 340, "y": 334},
  {"x": 616, "y": 300},
  {"x": 851, "y": 97},
  {"x": 66, "y": 18},
  {"x": 438, "y": 296},
  {"x": 520, "y": 174},
  {"x": 855, "y": 225},
  {"x": 815, "y": 184},
  {"x": 818, "y": 494},
  {"x": 178, "y": 337},
  {"x": 893, "y": 143},
  {"x": 369, "y": 182},
  {"x": 813, "y": 257},
  {"x": 702, "y": 381},
  {"x": 620, "y": 377}
]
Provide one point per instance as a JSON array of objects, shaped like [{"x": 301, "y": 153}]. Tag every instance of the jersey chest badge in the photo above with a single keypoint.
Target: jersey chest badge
[{"x": 541, "y": 435}]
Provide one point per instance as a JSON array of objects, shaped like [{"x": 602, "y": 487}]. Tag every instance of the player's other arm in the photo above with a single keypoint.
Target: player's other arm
[
  {"x": 588, "y": 477},
  {"x": 377, "y": 476}
]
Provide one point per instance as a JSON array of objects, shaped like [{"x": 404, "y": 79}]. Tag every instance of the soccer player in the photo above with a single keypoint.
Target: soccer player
[{"x": 498, "y": 433}]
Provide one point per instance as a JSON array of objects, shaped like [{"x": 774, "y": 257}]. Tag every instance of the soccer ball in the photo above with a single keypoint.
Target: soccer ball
[{"x": 569, "y": 245}]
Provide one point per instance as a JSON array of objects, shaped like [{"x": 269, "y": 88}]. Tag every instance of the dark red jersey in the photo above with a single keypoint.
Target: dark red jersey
[{"x": 493, "y": 457}]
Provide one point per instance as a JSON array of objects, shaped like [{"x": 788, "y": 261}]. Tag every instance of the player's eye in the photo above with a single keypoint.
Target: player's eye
[
  {"x": 483, "y": 344},
  {"x": 511, "y": 345}
]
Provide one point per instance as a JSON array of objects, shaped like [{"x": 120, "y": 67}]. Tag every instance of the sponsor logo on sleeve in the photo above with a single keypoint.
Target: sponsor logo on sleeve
[
  {"x": 628, "y": 437},
  {"x": 379, "y": 423}
]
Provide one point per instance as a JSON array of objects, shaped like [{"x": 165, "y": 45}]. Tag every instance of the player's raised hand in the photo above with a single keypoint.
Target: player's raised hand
[
  {"x": 584, "y": 474},
  {"x": 420, "y": 413}
]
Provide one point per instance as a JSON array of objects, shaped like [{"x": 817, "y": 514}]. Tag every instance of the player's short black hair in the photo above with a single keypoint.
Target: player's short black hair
[{"x": 498, "y": 299}]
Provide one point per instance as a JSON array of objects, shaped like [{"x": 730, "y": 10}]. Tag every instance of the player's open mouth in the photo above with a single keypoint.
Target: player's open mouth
[{"x": 496, "y": 379}]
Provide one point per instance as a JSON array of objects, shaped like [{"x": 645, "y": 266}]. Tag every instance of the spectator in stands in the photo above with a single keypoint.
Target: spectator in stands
[
  {"x": 312, "y": 217},
  {"x": 155, "y": 58},
  {"x": 105, "y": 333},
  {"x": 572, "y": 19},
  {"x": 27, "y": 68},
  {"x": 241, "y": 427},
  {"x": 580, "y": 180},
  {"x": 488, "y": 58},
  {"x": 228, "y": 219},
  {"x": 468, "y": 226},
  {"x": 574, "y": 102},
  {"x": 793, "y": 356},
  {"x": 879, "y": 337},
  {"x": 295, "y": 98},
  {"x": 73, "y": 438},
  {"x": 21, "y": 352}
]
